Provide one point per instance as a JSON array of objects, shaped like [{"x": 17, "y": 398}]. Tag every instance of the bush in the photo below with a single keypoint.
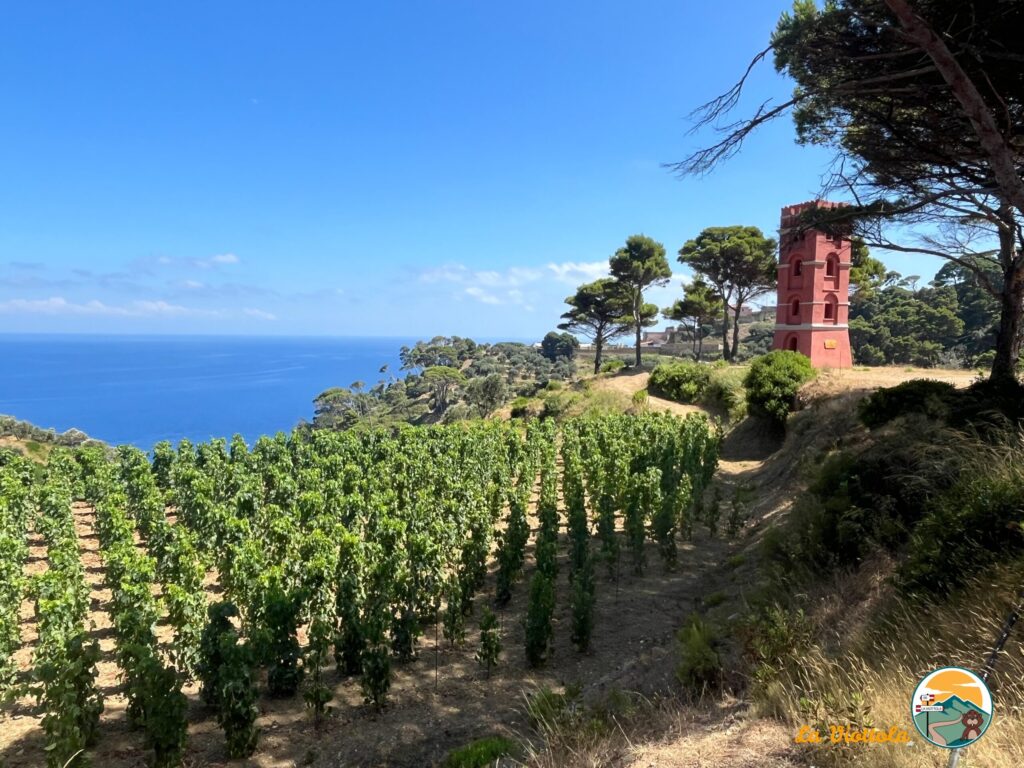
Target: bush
[
  {"x": 680, "y": 380},
  {"x": 979, "y": 520},
  {"x": 925, "y": 396},
  {"x": 480, "y": 753},
  {"x": 724, "y": 393},
  {"x": 773, "y": 381},
  {"x": 557, "y": 406},
  {"x": 525, "y": 408},
  {"x": 613, "y": 366},
  {"x": 639, "y": 398},
  {"x": 700, "y": 664}
]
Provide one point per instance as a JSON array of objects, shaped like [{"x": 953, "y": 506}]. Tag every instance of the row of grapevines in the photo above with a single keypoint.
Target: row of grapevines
[
  {"x": 16, "y": 502},
  {"x": 64, "y": 672}
]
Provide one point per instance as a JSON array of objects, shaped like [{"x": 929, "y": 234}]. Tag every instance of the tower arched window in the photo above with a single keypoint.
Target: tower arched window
[
  {"x": 791, "y": 343},
  {"x": 831, "y": 308},
  {"x": 798, "y": 267},
  {"x": 831, "y": 265},
  {"x": 794, "y": 308}
]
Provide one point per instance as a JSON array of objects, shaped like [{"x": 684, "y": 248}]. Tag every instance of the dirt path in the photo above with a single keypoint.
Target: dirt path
[{"x": 631, "y": 383}]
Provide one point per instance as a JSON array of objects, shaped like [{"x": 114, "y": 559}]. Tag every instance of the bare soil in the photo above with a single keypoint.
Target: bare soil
[{"x": 439, "y": 701}]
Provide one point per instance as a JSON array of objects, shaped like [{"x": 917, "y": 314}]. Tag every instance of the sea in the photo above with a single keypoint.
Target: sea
[{"x": 144, "y": 389}]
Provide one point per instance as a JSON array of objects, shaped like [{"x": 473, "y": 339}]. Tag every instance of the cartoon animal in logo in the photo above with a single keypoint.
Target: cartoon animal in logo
[
  {"x": 972, "y": 721},
  {"x": 951, "y": 707}
]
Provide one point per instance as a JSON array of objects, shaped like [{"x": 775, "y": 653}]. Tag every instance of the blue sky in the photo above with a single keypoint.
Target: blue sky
[{"x": 386, "y": 168}]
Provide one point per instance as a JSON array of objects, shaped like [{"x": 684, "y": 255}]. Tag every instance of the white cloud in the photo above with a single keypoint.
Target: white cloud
[
  {"x": 58, "y": 305},
  {"x": 575, "y": 273},
  {"x": 194, "y": 285},
  {"x": 225, "y": 258},
  {"x": 481, "y": 295},
  {"x": 488, "y": 286}
]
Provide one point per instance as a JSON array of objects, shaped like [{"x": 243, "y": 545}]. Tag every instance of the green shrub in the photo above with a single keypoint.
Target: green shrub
[
  {"x": 613, "y": 366},
  {"x": 547, "y": 709},
  {"x": 480, "y": 753},
  {"x": 700, "y": 664},
  {"x": 773, "y": 381},
  {"x": 980, "y": 520},
  {"x": 775, "y": 640},
  {"x": 640, "y": 398},
  {"x": 520, "y": 407},
  {"x": 680, "y": 380},
  {"x": 724, "y": 393},
  {"x": 925, "y": 396},
  {"x": 557, "y": 406}
]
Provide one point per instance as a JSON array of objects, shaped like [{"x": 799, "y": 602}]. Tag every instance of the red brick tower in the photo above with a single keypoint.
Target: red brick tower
[{"x": 814, "y": 299}]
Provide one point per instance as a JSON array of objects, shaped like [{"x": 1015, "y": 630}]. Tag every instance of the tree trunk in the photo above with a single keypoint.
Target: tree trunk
[
  {"x": 725, "y": 334},
  {"x": 1011, "y": 301},
  {"x": 598, "y": 347},
  {"x": 736, "y": 331},
  {"x": 636, "y": 316},
  {"x": 700, "y": 341}
]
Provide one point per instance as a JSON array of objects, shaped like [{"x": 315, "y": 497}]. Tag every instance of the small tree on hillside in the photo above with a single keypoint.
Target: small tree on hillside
[
  {"x": 740, "y": 263},
  {"x": 559, "y": 345},
  {"x": 698, "y": 307},
  {"x": 598, "y": 310},
  {"x": 639, "y": 264},
  {"x": 442, "y": 381}
]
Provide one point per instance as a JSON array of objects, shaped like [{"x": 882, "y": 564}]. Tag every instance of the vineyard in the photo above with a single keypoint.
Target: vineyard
[{"x": 319, "y": 567}]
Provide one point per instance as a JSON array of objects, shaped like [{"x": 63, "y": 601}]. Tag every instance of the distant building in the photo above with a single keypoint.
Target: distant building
[{"x": 659, "y": 338}]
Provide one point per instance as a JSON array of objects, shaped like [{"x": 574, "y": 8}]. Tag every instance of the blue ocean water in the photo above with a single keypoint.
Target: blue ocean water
[{"x": 143, "y": 389}]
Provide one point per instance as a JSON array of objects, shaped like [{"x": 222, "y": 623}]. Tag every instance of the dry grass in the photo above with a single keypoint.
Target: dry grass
[{"x": 884, "y": 663}]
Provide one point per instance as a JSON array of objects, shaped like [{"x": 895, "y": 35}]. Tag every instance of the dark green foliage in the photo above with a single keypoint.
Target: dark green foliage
[
  {"x": 612, "y": 366},
  {"x": 490, "y": 641},
  {"x": 512, "y": 546},
  {"x": 582, "y": 605},
  {"x": 606, "y": 531},
  {"x": 279, "y": 643},
  {"x": 980, "y": 520},
  {"x": 559, "y": 345},
  {"x": 680, "y": 380},
  {"x": 933, "y": 399},
  {"x": 67, "y": 684},
  {"x": 773, "y": 381},
  {"x": 900, "y": 324},
  {"x": 237, "y": 696},
  {"x": 738, "y": 263},
  {"x": 376, "y": 677},
  {"x": 454, "y": 616},
  {"x": 165, "y": 710},
  {"x": 638, "y": 265},
  {"x": 480, "y": 754},
  {"x": 557, "y": 406},
  {"x": 600, "y": 311},
  {"x": 526, "y": 408},
  {"x": 349, "y": 641},
  {"x": 700, "y": 663},
  {"x": 538, "y": 619},
  {"x": 774, "y": 641}
]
